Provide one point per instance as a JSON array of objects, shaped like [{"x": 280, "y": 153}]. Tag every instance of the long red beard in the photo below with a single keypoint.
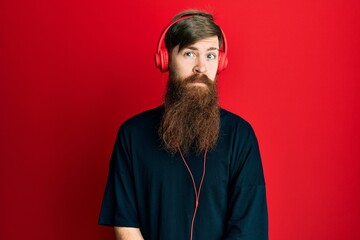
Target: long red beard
[{"x": 191, "y": 118}]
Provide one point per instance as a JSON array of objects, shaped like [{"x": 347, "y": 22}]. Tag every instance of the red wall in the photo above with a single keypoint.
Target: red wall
[{"x": 72, "y": 72}]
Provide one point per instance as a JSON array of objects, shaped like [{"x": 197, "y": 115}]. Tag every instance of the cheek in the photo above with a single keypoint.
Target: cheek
[
  {"x": 184, "y": 69},
  {"x": 212, "y": 78},
  {"x": 212, "y": 72}
]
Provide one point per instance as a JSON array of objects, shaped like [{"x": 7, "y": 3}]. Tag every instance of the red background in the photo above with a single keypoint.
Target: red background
[{"x": 72, "y": 72}]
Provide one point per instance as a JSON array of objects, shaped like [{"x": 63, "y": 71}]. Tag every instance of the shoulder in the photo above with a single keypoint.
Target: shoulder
[
  {"x": 142, "y": 122},
  {"x": 144, "y": 118},
  {"x": 231, "y": 121}
]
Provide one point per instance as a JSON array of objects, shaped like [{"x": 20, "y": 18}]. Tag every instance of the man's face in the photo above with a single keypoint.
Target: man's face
[{"x": 198, "y": 58}]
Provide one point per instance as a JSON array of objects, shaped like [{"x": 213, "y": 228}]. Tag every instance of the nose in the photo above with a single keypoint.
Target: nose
[{"x": 200, "y": 65}]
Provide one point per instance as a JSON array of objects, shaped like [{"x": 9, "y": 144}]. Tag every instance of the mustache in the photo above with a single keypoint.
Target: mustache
[{"x": 198, "y": 78}]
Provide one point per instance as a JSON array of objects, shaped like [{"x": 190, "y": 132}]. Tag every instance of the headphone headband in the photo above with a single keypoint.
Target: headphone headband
[{"x": 162, "y": 56}]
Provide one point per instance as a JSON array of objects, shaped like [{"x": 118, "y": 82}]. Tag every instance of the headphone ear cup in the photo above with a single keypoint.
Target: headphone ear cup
[
  {"x": 223, "y": 61},
  {"x": 165, "y": 59},
  {"x": 162, "y": 59}
]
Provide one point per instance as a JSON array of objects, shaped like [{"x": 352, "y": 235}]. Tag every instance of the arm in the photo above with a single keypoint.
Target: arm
[
  {"x": 247, "y": 208},
  {"x": 128, "y": 233}
]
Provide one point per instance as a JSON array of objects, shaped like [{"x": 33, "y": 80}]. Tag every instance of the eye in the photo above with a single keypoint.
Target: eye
[
  {"x": 211, "y": 56},
  {"x": 189, "y": 54}
]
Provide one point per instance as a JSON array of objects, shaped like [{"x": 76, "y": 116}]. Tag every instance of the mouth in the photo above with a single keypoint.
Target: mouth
[{"x": 197, "y": 84}]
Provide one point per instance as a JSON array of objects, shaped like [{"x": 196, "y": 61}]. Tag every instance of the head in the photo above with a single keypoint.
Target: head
[
  {"x": 191, "y": 119},
  {"x": 196, "y": 36}
]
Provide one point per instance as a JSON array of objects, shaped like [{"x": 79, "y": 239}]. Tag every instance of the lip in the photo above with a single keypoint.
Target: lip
[{"x": 197, "y": 84}]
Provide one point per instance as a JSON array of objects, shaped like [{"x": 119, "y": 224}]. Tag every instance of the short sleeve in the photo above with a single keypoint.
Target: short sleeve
[
  {"x": 119, "y": 201},
  {"x": 247, "y": 207}
]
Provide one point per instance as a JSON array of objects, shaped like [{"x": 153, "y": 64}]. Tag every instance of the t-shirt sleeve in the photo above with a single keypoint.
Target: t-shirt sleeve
[
  {"x": 247, "y": 212},
  {"x": 119, "y": 201}
]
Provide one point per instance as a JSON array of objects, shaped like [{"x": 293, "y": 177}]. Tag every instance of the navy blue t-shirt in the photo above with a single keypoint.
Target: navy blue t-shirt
[{"x": 150, "y": 189}]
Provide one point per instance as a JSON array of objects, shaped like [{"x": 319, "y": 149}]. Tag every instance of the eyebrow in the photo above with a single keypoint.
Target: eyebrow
[{"x": 209, "y": 49}]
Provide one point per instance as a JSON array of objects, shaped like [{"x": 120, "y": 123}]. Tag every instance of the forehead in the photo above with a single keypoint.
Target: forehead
[{"x": 209, "y": 43}]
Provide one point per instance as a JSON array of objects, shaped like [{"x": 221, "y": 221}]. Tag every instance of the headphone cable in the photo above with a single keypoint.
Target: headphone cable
[{"x": 197, "y": 191}]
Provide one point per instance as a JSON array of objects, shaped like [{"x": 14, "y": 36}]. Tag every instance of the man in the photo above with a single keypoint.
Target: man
[{"x": 187, "y": 169}]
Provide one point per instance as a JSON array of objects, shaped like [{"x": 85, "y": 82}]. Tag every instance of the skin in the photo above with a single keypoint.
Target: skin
[
  {"x": 128, "y": 233},
  {"x": 201, "y": 58}
]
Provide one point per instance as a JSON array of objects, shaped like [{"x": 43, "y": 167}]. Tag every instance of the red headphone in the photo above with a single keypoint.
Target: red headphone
[{"x": 162, "y": 56}]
